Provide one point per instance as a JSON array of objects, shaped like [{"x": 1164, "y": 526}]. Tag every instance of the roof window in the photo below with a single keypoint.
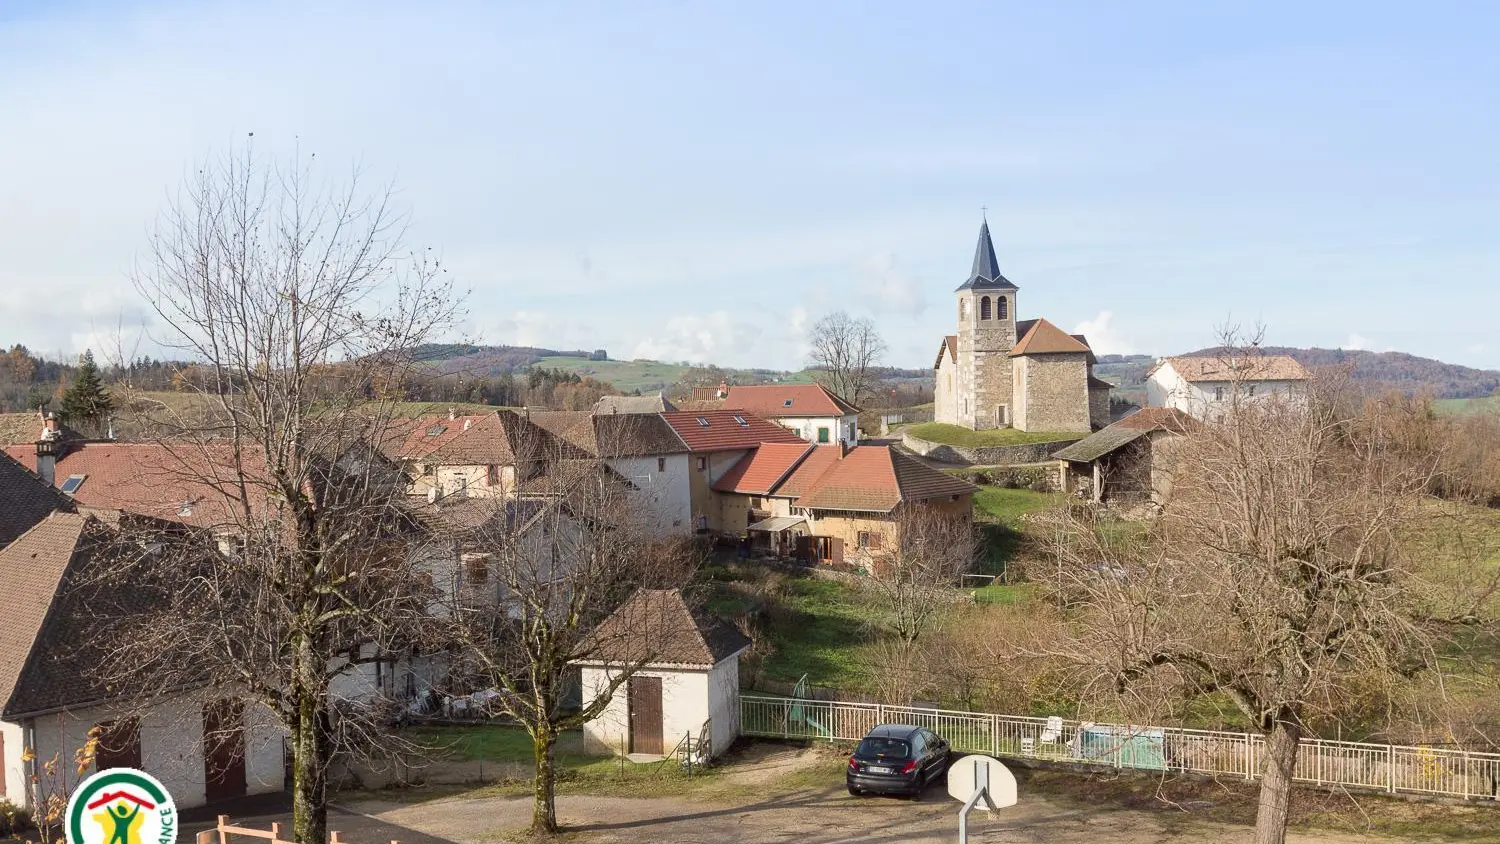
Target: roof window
[
  {"x": 703, "y": 420},
  {"x": 787, "y": 403},
  {"x": 741, "y": 421},
  {"x": 436, "y": 430},
  {"x": 72, "y": 484}
]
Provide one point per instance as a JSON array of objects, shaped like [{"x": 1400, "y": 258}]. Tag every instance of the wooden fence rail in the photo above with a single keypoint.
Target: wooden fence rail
[
  {"x": 223, "y": 829},
  {"x": 1378, "y": 767}
]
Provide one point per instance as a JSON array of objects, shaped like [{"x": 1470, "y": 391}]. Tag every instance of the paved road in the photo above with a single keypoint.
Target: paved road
[{"x": 262, "y": 810}]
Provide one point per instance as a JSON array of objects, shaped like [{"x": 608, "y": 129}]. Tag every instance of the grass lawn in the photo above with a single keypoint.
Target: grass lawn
[
  {"x": 1005, "y": 594},
  {"x": 942, "y": 432},
  {"x": 625, "y": 375},
  {"x": 1462, "y": 406},
  {"x": 998, "y": 513}
]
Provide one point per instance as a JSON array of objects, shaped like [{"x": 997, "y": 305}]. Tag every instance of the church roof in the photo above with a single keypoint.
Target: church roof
[
  {"x": 1045, "y": 338},
  {"x": 986, "y": 272},
  {"x": 949, "y": 347}
]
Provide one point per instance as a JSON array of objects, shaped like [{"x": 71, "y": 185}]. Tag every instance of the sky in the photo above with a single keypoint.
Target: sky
[{"x": 700, "y": 181}]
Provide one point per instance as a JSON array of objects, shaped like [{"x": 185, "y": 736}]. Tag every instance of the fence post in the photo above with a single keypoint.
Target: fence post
[
  {"x": 1249, "y": 757},
  {"x": 1466, "y": 775},
  {"x": 994, "y": 735},
  {"x": 1390, "y": 768},
  {"x": 879, "y": 713}
]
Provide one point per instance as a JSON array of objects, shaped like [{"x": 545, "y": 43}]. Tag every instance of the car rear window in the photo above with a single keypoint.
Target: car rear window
[{"x": 886, "y": 748}]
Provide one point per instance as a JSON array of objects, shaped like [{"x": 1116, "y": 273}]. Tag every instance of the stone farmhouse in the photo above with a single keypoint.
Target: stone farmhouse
[
  {"x": 1000, "y": 371},
  {"x": 809, "y": 410},
  {"x": 831, "y": 504},
  {"x": 1201, "y": 385}
]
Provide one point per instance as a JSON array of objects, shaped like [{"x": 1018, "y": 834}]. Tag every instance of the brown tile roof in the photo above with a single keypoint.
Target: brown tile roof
[
  {"x": 613, "y": 434},
  {"x": 949, "y": 347},
  {"x": 32, "y": 570},
  {"x": 727, "y": 430},
  {"x": 877, "y": 478},
  {"x": 1097, "y": 383},
  {"x": 1245, "y": 368},
  {"x": 25, "y": 500},
  {"x": 1159, "y": 419},
  {"x": 758, "y": 472},
  {"x": 633, "y": 404},
  {"x": 809, "y": 470},
  {"x": 412, "y": 439},
  {"x": 1042, "y": 337},
  {"x": 188, "y": 483},
  {"x": 18, "y": 428},
  {"x": 774, "y": 401},
  {"x": 501, "y": 439},
  {"x": 658, "y": 627}
]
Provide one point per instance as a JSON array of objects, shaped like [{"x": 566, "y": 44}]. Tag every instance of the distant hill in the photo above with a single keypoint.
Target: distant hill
[{"x": 1373, "y": 370}]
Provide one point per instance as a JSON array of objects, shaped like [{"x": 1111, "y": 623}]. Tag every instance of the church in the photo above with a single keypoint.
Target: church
[{"x": 999, "y": 371}]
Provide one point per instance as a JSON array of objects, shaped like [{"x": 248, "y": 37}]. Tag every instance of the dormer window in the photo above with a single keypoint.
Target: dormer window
[
  {"x": 72, "y": 484},
  {"x": 703, "y": 421}
]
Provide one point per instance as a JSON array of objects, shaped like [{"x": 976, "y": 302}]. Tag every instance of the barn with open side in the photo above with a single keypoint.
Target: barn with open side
[{"x": 685, "y": 690}]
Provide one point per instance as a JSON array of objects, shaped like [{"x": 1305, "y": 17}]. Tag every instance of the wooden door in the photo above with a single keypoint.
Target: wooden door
[
  {"x": 119, "y": 745},
  {"x": 223, "y": 749},
  {"x": 836, "y": 550},
  {"x": 645, "y": 715}
]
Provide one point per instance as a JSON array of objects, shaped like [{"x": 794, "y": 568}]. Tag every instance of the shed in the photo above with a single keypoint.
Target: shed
[
  {"x": 685, "y": 688},
  {"x": 1131, "y": 459}
]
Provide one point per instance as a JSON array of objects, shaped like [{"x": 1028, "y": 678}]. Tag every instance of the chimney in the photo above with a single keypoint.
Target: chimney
[
  {"x": 49, "y": 426},
  {"x": 46, "y": 460},
  {"x": 723, "y": 389},
  {"x": 467, "y": 423},
  {"x": 452, "y": 413},
  {"x": 432, "y": 495}
]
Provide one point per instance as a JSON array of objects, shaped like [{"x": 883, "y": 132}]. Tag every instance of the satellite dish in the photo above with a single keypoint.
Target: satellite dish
[{"x": 967, "y": 773}]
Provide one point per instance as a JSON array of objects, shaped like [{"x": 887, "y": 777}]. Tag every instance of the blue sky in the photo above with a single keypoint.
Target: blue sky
[{"x": 701, "y": 180}]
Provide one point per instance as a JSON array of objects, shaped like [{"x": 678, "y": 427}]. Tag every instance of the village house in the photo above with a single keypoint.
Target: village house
[
  {"x": 1130, "y": 461},
  {"x": 832, "y": 504},
  {"x": 1000, "y": 371},
  {"x": 808, "y": 410},
  {"x": 716, "y": 440},
  {"x": 54, "y": 688},
  {"x": 684, "y": 692},
  {"x": 1202, "y": 385}
]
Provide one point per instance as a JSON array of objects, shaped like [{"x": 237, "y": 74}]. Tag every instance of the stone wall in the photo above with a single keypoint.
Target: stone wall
[
  {"x": 988, "y": 455},
  {"x": 1099, "y": 408},
  {"x": 1057, "y": 392}
]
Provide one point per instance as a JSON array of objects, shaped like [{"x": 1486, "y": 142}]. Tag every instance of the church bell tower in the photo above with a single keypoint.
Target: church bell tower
[{"x": 986, "y": 334}]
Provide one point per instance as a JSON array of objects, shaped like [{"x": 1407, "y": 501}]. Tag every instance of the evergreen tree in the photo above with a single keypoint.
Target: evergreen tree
[{"x": 86, "y": 402}]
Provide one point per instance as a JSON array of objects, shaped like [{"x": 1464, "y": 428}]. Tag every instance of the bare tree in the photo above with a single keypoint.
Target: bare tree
[
  {"x": 845, "y": 352},
  {"x": 294, "y": 295},
  {"x": 559, "y": 554},
  {"x": 1276, "y": 577},
  {"x": 913, "y": 575}
]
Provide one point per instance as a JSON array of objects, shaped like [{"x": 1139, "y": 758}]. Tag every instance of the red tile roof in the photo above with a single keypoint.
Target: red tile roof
[
  {"x": 726, "y": 430},
  {"x": 1046, "y": 338},
  {"x": 758, "y": 472},
  {"x": 189, "y": 484},
  {"x": 412, "y": 439},
  {"x": 774, "y": 401},
  {"x": 878, "y": 478},
  {"x": 1158, "y": 418},
  {"x": 949, "y": 347}
]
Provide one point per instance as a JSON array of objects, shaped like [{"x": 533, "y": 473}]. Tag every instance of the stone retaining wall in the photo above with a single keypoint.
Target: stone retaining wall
[{"x": 987, "y": 455}]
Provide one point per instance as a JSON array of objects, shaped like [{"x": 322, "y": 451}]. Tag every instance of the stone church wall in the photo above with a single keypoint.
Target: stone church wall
[{"x": 1057, "y": 394}]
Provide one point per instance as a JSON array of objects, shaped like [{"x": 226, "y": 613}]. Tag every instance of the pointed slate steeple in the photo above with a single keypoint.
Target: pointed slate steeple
[{"x": 986, "y": 273}]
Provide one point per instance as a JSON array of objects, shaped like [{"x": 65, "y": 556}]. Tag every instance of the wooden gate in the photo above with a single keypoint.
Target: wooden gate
[
  {"x": 223, "y": 750},
  {"x": 645, "y": 715}
]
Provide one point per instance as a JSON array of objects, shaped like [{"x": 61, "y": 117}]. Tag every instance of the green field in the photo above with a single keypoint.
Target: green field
[
  {"x": 1463, "y": 406},
  {"x": 626, "y": 376},
  {"x": 942, "y": 432},
  {"x": 998, "y": 513}
]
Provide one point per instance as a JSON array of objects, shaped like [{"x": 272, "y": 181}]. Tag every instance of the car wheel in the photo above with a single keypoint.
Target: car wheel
[{"x": 853, "y": 792}]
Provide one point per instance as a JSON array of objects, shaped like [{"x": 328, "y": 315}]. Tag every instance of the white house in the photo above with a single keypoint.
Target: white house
[
  {"x": 685, "y": 690},
  {"x": 815, "y": 414},
  {"x": 1200, "y": 385},
  {"x": 53, "y": 692}
]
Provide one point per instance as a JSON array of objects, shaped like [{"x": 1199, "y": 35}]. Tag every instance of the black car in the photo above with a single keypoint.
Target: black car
[{"x": 896, "y": 759}]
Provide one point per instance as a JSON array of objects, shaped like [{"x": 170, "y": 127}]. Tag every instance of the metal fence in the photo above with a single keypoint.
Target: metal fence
[{"x": 1379, "y": 767}]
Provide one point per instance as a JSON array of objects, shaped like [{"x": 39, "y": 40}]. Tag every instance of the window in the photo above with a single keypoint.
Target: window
[
  {"x": 703, "y": 421},
  {"x": 756, "y": 502},
  {"x": 661, "y": 464},
  {"x": 787, "y": 403},
  {"x": 1002, "y": 308},
  {"x": 963, "y": 308},
  {"x": 869, "y": 540},
  {"x": 119, "y": 744},
  {"x": 822, "y": 435},
  {"x": 1218, "y": 394},
  {"x": 436, "y": 430},
  {"x": 476, "y": 567},
  {"x": 702, "y": 463},
  {"x": 741, "y": 421},
  {"x": 72, "y": 484},
  {"x": 1252, "y": 392},
  {"x": 1002, "y": 414},
  {"x": 984, "y": 308},
  {"x": 494, "y": 475}
]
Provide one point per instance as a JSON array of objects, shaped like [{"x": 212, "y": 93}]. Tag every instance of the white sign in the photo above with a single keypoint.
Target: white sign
[{"x": 964, "y": 777}]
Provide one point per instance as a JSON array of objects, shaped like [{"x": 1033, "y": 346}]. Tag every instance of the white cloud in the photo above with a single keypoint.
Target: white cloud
[
  {"x": 889, "y": 288},
  {"x": 695, "y": 338},
  {"x": 1103, "y": 338},
  {"x": 1356, "y": 343}
]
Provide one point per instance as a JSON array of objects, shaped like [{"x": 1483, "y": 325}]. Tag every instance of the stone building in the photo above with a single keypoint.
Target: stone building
[{"x": 999, "y": 371}]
